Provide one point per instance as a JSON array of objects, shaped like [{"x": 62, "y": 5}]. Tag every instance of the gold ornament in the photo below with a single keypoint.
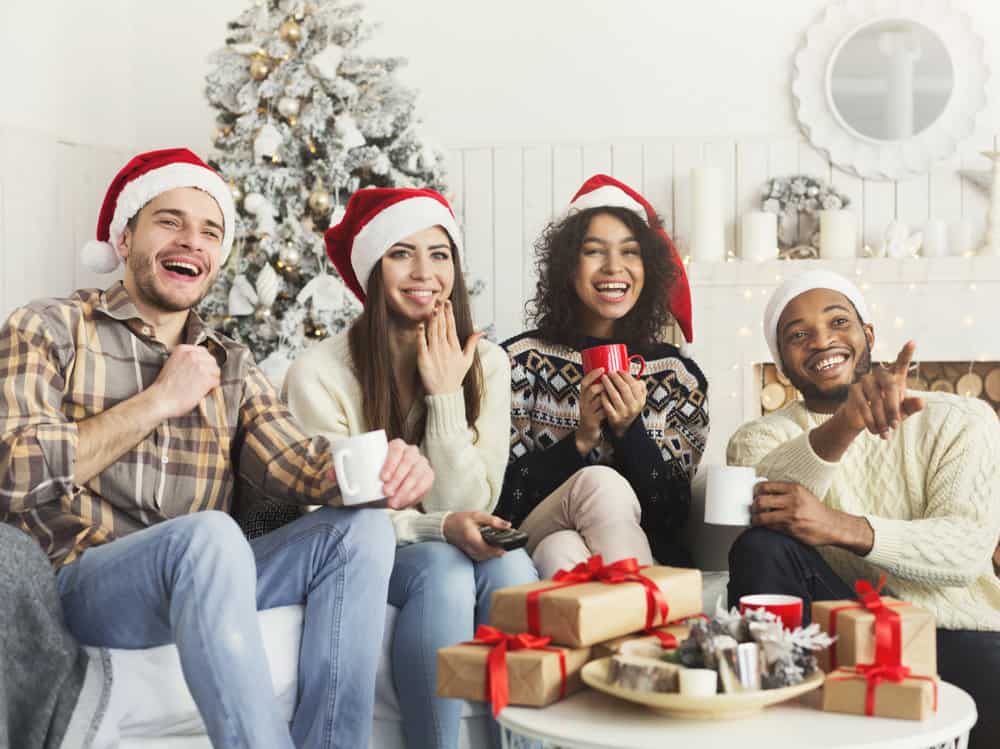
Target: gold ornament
[
  {"x": 237, "y": 192},
  {"x": 260, "y": 68},
  {"x": 289, "y": 256},
  {"x": 320, "y": 201},
  {"x": 262, "y": 313},
  {"x": 288, "y": 107},
  {"x": 319, "y": 332},
  {"x": 290, "y": 31}
]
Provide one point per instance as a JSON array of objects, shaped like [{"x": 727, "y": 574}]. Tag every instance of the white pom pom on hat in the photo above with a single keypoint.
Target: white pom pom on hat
[{"x": 139, "y": 181}]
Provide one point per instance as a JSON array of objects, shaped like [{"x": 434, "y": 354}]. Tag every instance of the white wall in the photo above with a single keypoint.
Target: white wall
[{"x": 130, "y": 74}]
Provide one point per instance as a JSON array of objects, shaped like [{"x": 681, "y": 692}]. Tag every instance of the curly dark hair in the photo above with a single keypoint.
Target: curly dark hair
[{"x": 555, "y": 308}]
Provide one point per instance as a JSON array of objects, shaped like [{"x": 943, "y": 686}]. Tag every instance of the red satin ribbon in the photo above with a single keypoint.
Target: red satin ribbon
[
  {"x": 874, "y": 675},
  {"x": 497, "y": 683},
  {"x": 888, "y": 629},
  {"x": 594, "y": 570}
]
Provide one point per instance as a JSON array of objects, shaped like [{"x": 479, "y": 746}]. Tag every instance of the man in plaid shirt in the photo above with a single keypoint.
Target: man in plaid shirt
[{"x": 124, "y": 423}]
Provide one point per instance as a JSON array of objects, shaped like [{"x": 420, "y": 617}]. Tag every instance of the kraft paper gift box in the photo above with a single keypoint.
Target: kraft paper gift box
[
  {"x": 911, "y": 699},
  {"x": 586, "y": 613},
  {"x": 855, "y": 632},
  {"x": 533, "y": 676},
  {"x": 614, "y": 646}
]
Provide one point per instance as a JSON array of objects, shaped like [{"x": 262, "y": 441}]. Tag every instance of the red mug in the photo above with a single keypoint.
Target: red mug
[
  {"x": 612, "y": 357},
  {"x": 787, "y": 608}
]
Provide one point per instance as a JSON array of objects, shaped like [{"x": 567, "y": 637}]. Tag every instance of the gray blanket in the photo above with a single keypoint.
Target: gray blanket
[{"x": 42, "y": 668}]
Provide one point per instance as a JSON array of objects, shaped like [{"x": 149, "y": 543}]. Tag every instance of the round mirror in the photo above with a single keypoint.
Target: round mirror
[
  {"x": 890, "y": 80},
  {"x": 886, "y": 88}
]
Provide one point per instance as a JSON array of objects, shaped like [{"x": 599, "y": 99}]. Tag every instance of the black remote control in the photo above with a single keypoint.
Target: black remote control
[{"x": 507, "y": 539}]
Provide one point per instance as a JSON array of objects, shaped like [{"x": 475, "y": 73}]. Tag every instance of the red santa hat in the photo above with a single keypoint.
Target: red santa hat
[
  {"x": 602, "y": 191},
  {"x": 142, "y": 179},
  {"x": 377, "y": 218}
]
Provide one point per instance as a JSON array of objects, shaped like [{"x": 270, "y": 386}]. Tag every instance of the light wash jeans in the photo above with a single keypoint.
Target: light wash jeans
[
  {"x": 197, "y": 582},
  {"x": 442, "y": 596}
]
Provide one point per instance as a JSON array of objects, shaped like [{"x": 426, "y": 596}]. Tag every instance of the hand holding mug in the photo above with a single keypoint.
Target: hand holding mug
[
  {"x": 878, "y": 401},
  {"x": 623, "y": 399},
  {"x": 441, "y": 360},
  {"x": 588, "y": 434},
  {"x": 406, "y": 475},
  {"x": 461, "y": 529}
]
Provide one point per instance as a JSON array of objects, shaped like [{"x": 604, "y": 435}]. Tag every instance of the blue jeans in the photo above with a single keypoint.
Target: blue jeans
[
  {"x": 442, "y": 596},
  {"x": 197, "y": 582}
]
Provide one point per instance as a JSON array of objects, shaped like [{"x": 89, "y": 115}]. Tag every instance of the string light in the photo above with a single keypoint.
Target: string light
[
  {"x": 968, "y": 321},
  {"x": 898, "y": 323},
  {"x": 744, "y": 331},
  {"x": 748, "y": 294}
]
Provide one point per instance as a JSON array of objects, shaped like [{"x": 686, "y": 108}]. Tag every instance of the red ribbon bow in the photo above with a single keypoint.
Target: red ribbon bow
[
  {"x": 594, "y": 570},
  {"x": 497, "y": 683},
  {"x": 888, "y": 628}
]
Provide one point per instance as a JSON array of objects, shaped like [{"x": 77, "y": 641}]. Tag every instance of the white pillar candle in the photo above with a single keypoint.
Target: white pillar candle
[
  {"x": 960, "y": 240},
  {"x": 935, "y": 238},
  {"x": 759, "y": 239},
  {"x": 992, "y": 246},
  {"x": 707, "y": 236},
  {"x": 838, "y": 234},
  {"x": 697, "y": 682}
]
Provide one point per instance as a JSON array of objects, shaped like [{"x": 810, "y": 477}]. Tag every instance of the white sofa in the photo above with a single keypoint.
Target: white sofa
[{"x": 165, "y": 717}]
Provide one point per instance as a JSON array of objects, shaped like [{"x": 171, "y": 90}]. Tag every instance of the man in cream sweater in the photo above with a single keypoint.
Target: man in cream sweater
[{"x": 866, "y": 479}]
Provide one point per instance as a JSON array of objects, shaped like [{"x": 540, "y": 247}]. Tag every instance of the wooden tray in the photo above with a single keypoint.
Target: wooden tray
[{"x": 595, "y": 675}]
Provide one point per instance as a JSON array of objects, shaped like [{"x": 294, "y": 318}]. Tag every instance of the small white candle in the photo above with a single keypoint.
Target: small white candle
[
  {"x": 935, "y": 238},
  {"x": 759, "y": 239},
  {"x": 708, "y": 242},
  {"x": 697, "y": 682},
  {"x": 838, "y": 234}
]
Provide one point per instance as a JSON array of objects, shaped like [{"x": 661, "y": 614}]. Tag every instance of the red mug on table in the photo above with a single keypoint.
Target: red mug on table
[
  {"x": 787, "y": 608},
  {"x": 612, "y": 357}
]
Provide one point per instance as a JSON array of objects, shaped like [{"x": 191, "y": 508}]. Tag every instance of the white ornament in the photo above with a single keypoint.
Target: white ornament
[
  {"x": 275, "y": 367},
  {"x": 266, "y": 143},
  {"x": 244, "y": 298},
  {"x": 325, "y": 291},
  {"x": 289, "y": 106},
  {"x": 898, "y": 243},
  {"x": 247, "y": 49},
  {"x": 263, "y": 210},
  {"x": 347, "y": 130},
  {"x": 325, "y": 64}
]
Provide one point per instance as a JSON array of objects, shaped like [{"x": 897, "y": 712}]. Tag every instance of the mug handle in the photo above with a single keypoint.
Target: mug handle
[
  {"x": 340, "y": 466},
  {"x": 642, "y": 363}
]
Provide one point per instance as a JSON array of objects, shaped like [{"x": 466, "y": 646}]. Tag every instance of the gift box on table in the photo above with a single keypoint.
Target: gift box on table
[
  {"x": 853, "y": 623},
  {"x": 510, "y": 669},
  {"x": 877, "y": 693},
  {"x": 666, "y": 638},
  {"x": 594, "y": 602}
]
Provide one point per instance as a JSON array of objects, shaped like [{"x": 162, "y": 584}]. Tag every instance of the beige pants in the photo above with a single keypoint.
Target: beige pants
[{"x": 594, "y": 512}]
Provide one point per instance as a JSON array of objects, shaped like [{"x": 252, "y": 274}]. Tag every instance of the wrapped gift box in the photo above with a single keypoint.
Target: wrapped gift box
[
  {"x": 856, "y": 635},
  {"x": 911, "y": 699},
  {"x": 586, "y": 613},
  {"x": 614, "y": 646},
  {"x": 534, "y": 677}
]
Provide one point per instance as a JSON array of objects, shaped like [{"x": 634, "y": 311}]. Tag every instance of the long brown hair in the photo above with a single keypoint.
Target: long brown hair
[{"x": 373, "y": 362}]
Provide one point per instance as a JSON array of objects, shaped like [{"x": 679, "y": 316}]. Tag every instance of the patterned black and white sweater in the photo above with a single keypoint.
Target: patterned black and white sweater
[{"x": 658, "y": 455}]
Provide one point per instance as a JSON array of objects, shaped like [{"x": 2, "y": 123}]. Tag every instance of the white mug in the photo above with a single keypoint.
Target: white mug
[
  {"x": 358, "y": 462},
  {"x": 729, "y": 494}
]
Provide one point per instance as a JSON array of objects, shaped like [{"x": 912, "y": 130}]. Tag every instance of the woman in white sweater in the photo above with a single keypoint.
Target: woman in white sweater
[{"x": 412, "y": 365}]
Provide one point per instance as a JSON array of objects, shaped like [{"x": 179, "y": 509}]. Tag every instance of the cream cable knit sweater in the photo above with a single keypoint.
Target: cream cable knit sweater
[
  {"x": 931, "y": 493},
  {"x": 324, "y": 395}
]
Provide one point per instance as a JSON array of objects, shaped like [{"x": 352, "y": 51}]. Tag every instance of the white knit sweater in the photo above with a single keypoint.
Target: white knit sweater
[
  {"x": 931, "y": 494},
  {"x": 324, "y": 395}
]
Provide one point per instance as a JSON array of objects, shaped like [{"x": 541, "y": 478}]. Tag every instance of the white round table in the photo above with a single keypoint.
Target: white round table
[{"x": 593, "y": 720}]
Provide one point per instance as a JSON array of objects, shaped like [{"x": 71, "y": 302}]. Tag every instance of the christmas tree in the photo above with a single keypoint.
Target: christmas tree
[{"x": 304, "y": 119}]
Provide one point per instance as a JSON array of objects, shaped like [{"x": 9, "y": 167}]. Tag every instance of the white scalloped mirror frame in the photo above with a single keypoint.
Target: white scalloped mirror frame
[{"x": 900, "y": 159}]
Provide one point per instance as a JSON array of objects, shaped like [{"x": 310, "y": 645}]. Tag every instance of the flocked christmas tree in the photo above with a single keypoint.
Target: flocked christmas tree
[{"x": 303, "y": 121}]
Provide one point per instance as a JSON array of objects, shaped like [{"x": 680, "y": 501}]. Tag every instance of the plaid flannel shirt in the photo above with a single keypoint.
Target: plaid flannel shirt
[{"x": 65, "y": 360}]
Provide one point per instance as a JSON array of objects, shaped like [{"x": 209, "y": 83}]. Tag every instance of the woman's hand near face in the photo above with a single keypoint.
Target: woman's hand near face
[
  {"x": 622, "y": 400},
  {"x": 441, "y": 360}
]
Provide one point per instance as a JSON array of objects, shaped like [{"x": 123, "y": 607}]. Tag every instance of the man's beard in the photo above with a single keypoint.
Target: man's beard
[
  {"x": 144, "y": 273},
  {"x": 838, "y": 395}
]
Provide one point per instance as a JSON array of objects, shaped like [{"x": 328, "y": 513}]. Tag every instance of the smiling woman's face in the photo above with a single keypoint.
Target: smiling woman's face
[
  {"x": 417, "y": 272},
  {"x": 609, "y": 274}
]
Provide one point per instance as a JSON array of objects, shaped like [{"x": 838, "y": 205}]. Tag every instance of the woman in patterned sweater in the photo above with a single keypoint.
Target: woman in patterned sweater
[{"x": 602, "y": 463}]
